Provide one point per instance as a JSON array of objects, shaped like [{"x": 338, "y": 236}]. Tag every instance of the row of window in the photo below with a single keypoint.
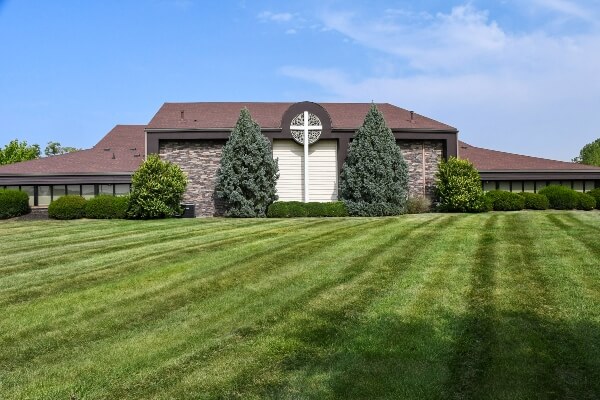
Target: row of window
[
  {"x": 42, "y": 195},
  {"x": 536, "y": 186}
]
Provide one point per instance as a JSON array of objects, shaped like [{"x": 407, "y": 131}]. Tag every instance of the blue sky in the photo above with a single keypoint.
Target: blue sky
[{"x": 519, "y": 76}]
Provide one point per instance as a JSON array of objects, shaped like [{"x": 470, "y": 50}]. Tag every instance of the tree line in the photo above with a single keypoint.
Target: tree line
[{"x": 17, "y": 151}]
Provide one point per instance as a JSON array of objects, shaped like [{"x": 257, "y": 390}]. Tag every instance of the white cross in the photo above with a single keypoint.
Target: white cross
[{"x": 306, "y": 128}]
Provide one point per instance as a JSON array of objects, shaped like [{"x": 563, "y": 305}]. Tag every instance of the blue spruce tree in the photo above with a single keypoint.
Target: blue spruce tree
[
  {"x": 248, "y": 173},
  {"x": 374, "y": 178}
]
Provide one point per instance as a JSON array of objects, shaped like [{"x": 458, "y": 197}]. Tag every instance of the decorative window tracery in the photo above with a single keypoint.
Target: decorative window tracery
[{"x": 298, "y": 125}]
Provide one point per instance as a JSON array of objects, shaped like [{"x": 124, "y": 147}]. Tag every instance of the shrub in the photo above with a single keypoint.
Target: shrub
[
  {"x": 293, "y": 209},
  {"x": 560, "y": 197},
  {"x": 585, "y": 201},
  {"x": 248, "y": 173},
  {"x": 535, "y": 201},
  {"x": 157, "y": 189},
  {"x": 418, "y": 205},
  {"x": 67, "y": 207},
  {"x": 505, "y": 201},
  {"x": 595, "y": 193},
  {"x": 374, "y": 178},
  {"x": 107, "y": 207},
  {"x": 13, "y": 203},
  {"x": 458, "y": 187}
]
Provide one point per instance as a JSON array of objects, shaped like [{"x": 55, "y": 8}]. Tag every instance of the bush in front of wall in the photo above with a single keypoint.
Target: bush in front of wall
[
  {"x": 157, "y": 189},
  {"x": 585, "y": 201},
  {"x": 535, "y": 201},
  {"x": 458, "y": 187},
  {"x": 67, "y": 207},
  {"x": 297, "y": 209},
  {"x": 595, "y": 193},
  {"x": 418, "y": 205},
  {"x": 107, "y": 207},
  {"x": 560, "y": 197},
  {"x": 13, "y": 203},
  {"x": 505, "y": 201}
]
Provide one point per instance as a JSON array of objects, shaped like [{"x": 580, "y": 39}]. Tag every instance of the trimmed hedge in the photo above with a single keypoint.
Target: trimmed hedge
[
  {"x": 107, "y": 207},
  {"x": 67, "y": 207},
  {"x": 535, "y": 201},
  {"x": 505, "y": 201},
  {"x": 293, "y": 209},
  {"x": 596, "y": 195},
  {"x": 560, "y": 197},
  {"x": 585, "y": 201},
  {"x": 13, "y": 203}
]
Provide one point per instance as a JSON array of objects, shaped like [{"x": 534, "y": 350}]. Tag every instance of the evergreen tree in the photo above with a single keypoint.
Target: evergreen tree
[
  {"x": 374, "y": 178},
  {"x": 248, "y": 173}
]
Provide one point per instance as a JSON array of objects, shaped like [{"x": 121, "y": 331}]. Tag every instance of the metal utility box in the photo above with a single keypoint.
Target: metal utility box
[{"x": 189, "y": 211}]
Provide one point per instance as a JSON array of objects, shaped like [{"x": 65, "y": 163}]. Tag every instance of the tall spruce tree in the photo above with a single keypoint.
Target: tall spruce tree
[
  {"x": 374, "y": 178},
  {"x": 248, "y": 173}
]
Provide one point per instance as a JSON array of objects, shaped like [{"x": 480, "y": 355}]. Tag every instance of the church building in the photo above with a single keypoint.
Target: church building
[{"x": 310, "y": 141}]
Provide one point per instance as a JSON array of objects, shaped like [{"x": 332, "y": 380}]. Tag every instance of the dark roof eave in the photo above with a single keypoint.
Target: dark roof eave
[{"x": 174, "y": 130}]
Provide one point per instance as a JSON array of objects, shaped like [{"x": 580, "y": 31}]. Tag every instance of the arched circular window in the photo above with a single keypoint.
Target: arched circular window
[{"x": 309, "y": 122}]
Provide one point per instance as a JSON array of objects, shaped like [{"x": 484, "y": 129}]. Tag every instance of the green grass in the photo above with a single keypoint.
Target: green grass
[{"x": 436, "y": 306}]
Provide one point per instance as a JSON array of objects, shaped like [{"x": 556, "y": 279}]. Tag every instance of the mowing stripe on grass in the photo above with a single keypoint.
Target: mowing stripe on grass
[
  {"x": 473, "y": 348},
  {"x": 299, "y": 341}
]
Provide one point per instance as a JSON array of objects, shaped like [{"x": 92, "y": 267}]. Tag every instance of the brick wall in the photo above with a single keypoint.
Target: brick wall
[
  {"x": 422, "y": 158},
  {"x": 199, "y": 159}
]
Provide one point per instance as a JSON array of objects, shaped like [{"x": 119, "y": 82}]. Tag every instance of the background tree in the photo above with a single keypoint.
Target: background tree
[
  {"x": 248, "y": 173},
  {"x": 157, "y": 189},
  {"x": 54, "y": 149},
  {"x": 16, "y": 151},
  {"x": 374, "y": 178},
  {"x": 458, "y": 187},
  {"x": 589, "y": 154}
]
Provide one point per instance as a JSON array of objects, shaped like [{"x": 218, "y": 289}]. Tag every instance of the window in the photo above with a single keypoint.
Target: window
[
  {"x": 74, "y": 189},
  {"x": 44, "y": 195},
  {"x": 540, "y": 185},
  {"x": 529, "y": 186},
  {"x": 58, "y": 191},
  {"x": 121, "y": 189},
  {"x": 590, "y": 185},
  {"x": 107, "y": 189},
  {"x": 87, "y": 191},
  {"x": 504, "y": 185},
  {"x": 489, "y": 185},
  {"x": 31, "y": 193},
  {"x": 578, "y": 185},
  {"x": 517, "y": 186}
]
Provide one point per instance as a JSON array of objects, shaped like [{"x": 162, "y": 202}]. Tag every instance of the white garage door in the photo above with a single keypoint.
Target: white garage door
[{"x": 322, "y": 165}]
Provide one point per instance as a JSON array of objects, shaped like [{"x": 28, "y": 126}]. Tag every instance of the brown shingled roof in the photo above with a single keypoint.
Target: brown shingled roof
[
  {"x": 224, "y": 115},
  {"x": 123, "y": 141},
  {"x": 492, "y": 160}
]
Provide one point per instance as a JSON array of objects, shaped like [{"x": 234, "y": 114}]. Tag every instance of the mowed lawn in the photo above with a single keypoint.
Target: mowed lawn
[{"x": 491, "y": 306}]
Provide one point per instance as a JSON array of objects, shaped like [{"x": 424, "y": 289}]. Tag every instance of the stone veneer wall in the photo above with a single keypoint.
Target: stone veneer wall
[
  {"x": 422, "y": 157},
  {"x": 199, "y": 159}
]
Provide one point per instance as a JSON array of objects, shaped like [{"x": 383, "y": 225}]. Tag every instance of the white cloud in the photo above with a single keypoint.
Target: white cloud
[
  {"x": 275, "y": 17},
  {"x": 291, "y": 31},
  {"x": 529, "y": 92},
  {"x": 567, "y": 8}
]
